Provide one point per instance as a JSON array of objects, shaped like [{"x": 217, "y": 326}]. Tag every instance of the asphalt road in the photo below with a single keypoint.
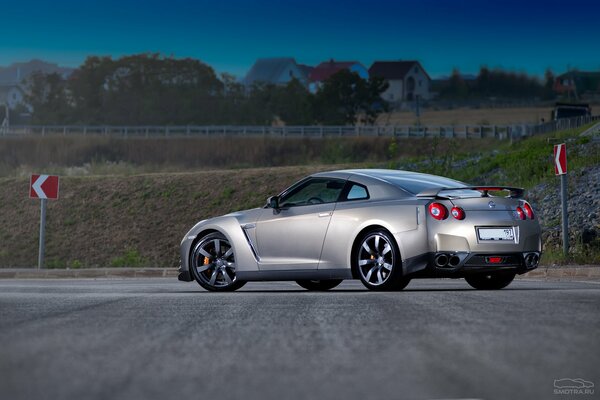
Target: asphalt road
[{"x": 159, "y": 339}]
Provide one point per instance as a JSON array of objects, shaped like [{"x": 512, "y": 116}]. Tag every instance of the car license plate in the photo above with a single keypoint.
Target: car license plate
[{"x": 499, "y": 234}]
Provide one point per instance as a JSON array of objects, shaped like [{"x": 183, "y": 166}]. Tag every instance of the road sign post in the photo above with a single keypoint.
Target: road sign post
[
  {"x": 43, "y": 187},
  {"x": 560, "y": 168},
  {"x": 42, "y": 247}
]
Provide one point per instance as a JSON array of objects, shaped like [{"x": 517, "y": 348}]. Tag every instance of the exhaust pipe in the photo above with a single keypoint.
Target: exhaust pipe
[
  {"x": 454, "y": 261},
  {"x": 532, "y": 260},
  {"x": 441, "y": 260}
]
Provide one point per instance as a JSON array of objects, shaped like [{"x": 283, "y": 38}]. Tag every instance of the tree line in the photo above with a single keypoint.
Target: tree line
[
  {"x": 149, "y": 89},
  {"x": 496, "y": 83}
]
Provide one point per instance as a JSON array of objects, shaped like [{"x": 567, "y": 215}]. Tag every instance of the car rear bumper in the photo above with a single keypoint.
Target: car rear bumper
[{"x": 460, "y": 264}]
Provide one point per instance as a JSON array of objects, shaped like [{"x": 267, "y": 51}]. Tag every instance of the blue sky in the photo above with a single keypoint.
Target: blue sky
[{"x": 229, "y": 35}]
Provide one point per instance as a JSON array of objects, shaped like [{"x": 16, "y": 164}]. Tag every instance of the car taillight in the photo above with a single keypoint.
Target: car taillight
[
  {"x": 520, "y": 213},
  {"x": 438, "y": 211},
  {"x": 528, "y": 211},
  {"x": 457, "y": 212}
]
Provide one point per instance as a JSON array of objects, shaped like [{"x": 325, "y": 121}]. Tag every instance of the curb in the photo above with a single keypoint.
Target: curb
[
  {"x": 586, "y": 272},
  {"x": 29, "y": 273}
]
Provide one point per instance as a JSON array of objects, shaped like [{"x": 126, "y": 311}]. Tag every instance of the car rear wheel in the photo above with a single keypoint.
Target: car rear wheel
[
  {"x": 213, "y": 264},
  {"x": 320, "y": 285},
  {"x": 378, "y": 262},
  {"x": 490, "y": 281}
]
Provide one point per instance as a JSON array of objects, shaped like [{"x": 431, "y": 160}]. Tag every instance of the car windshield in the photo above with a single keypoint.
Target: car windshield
[{"x": 416, "y": 185}]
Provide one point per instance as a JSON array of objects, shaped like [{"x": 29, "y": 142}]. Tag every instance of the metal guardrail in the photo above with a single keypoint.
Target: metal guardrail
[
  {"x": 501, "y": 132},
  {"x": 464, "y": 131},
  {"x": 564, "y": 124}
]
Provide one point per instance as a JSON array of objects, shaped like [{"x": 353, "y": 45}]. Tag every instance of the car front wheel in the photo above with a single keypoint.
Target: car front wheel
[
  {"x": 490, "y": 281},
  {"x": 213, "y": 264}
]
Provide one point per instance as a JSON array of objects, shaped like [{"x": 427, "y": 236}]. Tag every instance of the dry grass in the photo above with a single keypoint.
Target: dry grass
[
  {"x": 468, "y": 116},
  {"x": 79, "y": 155},
  {"x": 100, "y": 220}
]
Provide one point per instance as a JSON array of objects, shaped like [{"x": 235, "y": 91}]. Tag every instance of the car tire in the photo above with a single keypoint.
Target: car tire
[
  {"x": 212, "y": 264},
  {"x": 377, "y": 262},
  {"x": 490, "y": 281},
  {"x": 319, "y": 285}
]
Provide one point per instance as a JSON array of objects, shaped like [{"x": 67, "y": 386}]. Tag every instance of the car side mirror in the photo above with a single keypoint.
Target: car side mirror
[{"x": 273, "y": 202}]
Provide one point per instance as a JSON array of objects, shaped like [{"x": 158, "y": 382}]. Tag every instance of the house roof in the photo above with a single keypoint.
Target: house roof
[
  {"x": 394, "y": 69},
  {"x": 306, "y": 69},
  {"x": 324, "y": 70},
  {"x": 579, "y": 74},
  {"x": 269, "y": 69},
  {"x": 16, "y": 72}
]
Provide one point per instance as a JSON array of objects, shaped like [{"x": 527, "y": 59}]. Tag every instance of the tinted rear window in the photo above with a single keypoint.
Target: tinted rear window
[{"x": 416, "y": 185}]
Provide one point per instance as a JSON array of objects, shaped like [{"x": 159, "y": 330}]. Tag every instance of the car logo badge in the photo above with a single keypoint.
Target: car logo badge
[{"x": 491, "y": 204}]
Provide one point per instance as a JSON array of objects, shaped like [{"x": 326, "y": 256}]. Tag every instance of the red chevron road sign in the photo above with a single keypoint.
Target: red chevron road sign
[
  {"x": 560, "y": 159},
  {"x": 43, "y": 187}
]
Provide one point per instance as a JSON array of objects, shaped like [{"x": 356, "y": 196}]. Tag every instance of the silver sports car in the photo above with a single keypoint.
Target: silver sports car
[{"x": 384, "y": 227}]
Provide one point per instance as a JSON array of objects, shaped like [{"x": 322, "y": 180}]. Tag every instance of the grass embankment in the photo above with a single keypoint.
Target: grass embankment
[
  {"x": 524, "y": 163},
  {"x": 97, "y": 155},
  {"x": 126, "y": 220},
  {"x": 137, "y": 220}
]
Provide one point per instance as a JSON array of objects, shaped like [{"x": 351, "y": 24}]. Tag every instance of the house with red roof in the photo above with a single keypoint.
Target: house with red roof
[
  {"x": 407, "y": 80},
  {"x": 326, "y": 69}
]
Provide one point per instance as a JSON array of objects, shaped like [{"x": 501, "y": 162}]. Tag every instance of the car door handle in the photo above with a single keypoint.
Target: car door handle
[{"x": 327, "y": 214}]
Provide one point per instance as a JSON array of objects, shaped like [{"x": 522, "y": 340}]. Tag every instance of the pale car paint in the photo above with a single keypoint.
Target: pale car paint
[{"x": 320, "y": 237}]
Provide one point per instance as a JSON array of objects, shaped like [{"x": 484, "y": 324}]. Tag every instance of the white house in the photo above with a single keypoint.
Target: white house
[
  {"x": 13, "y": 79},
  {"x": 278, "y": 71},
  {"x": 12, "y": 95},
  {"x": 407, "y": 80}
]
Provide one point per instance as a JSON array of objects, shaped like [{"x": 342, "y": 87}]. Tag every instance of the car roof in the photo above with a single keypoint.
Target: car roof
[{"x": 392, "y": 179}]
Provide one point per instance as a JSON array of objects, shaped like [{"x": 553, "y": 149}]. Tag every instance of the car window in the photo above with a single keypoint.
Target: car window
[
  {"x": 357, "y": 192},
  {"x": 416, "y": 185},
  {"x": 313, "y": 191}
]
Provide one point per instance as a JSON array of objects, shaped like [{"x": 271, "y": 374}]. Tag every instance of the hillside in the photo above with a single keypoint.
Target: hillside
[
  {"x": 126, "y": 220},
  {"x": 139, "y": 219}
]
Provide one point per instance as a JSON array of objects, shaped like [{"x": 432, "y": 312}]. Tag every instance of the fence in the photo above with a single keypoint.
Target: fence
[
  {"x": 465, "y": 131},
  {"x": 563, "y": 124}
]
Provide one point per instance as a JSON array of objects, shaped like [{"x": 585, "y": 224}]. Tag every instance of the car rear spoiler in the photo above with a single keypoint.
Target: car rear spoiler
[{"x": 515, "y": 193}]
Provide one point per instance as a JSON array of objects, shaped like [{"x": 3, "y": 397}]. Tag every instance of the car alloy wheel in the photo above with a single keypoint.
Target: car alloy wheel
[
  {"x": 213, "y": 264},
  {"x": 378, "y": 262}
]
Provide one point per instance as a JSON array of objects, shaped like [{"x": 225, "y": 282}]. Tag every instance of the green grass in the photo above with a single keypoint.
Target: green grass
[
  {"x": 131, "y": 258},
  {"x": 525, "y": 163}
]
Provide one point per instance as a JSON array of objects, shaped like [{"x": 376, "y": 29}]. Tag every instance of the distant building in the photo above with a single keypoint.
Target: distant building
[
  {"x": 323, "y": 71},
  {"x": 12, "y": 95},
  {"x": 13, "y": 79},
  {"x": 577, "y": 83},
  {"x": 16, "y": 73},
  {"x": 407, "y": 79},
  {"x": 278, "y": 71}
]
